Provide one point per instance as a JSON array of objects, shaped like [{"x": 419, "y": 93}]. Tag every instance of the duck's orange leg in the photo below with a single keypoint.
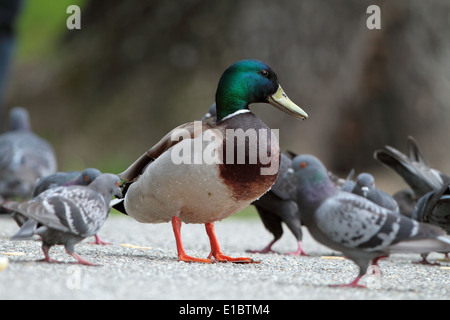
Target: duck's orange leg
[
  {"x": 182, "y": 256},
  {"x": 215, "y": 248}
]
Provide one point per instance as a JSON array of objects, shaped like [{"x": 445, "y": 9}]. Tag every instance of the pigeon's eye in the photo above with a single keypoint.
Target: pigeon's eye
[
  {"x": 86, "y": 178},
  {"x": 303, "y": 165},
  {"x": 117, "y": 183},
  {"x": 264, "y": 73}
]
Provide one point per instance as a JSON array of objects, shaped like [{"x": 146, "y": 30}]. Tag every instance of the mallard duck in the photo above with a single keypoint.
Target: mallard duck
[{"x": 160, "y": 188}]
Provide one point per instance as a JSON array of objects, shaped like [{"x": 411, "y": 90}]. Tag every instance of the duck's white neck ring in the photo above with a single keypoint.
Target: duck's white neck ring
[{"x": 235, "y": 114}]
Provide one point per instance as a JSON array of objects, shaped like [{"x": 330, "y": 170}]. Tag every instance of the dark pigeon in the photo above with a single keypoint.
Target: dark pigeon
[
  {"x": 278, "y": 206},
  {"x": 422, "y": 179},
  {"x": 414, "y": 170},
  {"x": 364, "y": 186},
  {"x": 24, "y": 157},
  {"x": 360, "y": 229},
  {"x": 67, "y": 215},
  {"x": 434, "y": 208},
  {"x": 71, "y": 178}
]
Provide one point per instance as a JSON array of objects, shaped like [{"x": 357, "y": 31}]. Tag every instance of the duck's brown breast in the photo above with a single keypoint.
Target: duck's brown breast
[{"x": 251, "y": 156}]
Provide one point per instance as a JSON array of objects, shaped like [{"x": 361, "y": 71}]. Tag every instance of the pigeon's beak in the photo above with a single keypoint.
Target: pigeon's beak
[
  {"x": 208, "y": 117},
  {"x": 288, "y": 174},
  {"x": 118, "y": 192},
  {"x": 365, "y": 191},
  {"x": 281, "y": 101}
]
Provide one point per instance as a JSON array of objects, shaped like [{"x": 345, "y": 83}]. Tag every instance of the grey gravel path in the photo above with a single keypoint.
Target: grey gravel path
[{"x": 151, "y": 270}]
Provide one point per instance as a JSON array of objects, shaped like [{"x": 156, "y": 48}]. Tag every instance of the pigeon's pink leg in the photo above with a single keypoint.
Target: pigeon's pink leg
[
  {"x": 267, "y": 249},
  {"x": 47, "y": 258},
  {"x": 99, "y": 241},
  {"x": 80, "y": 259},
  {"x": 353, "y": 284},
  {"x": 299, "y": 251}
]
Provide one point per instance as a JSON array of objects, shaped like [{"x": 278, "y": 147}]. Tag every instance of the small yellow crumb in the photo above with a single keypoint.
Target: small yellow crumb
[
  {"x": 3, "y": 263},
  {"x": 332, "y": 257},
  {"x": 13, "y": 253},
  {"x": 445, "y": 268},
  {"x": 127, "y": 245}
]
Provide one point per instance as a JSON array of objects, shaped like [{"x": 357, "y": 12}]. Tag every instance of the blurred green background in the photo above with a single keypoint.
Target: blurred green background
[{"x": 104, "y": 94}]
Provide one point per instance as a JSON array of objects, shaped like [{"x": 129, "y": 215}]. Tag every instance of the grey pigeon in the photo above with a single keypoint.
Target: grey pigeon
[
  {"x": 24, "y": 157},
  {"x": 434, "y": 208},
  {"x": 69, "y": 214},
  {"x": 277, "y": 205},
  {"x": 359, "y": 228},
  {"x": 365, "y": 186},
  {"x": 54, "y": 180},
  {"x": 414, "y": 170}
]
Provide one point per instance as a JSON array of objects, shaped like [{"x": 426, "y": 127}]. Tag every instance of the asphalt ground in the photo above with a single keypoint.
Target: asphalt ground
[{"x": 141, "y": 263}]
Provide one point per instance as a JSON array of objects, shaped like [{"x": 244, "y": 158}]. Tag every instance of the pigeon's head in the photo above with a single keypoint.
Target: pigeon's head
[
  {"x": 19, "y": 119},
  {"x": 107, "y": 184},
  {"x": 308, "y": 170},
  {"x": 211, "y": 115},
  {"x": 311, "y": 178},
  {"x": 90, "y": 174},
  {"x": 365, "y": 182}
]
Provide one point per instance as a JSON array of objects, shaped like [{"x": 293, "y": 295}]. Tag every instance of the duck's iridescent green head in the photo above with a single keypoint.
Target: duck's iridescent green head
[{"x": 250, "y": 81}]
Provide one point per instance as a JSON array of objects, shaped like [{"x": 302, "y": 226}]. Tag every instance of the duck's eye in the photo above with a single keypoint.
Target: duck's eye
[{"x": 264, "y": 73}]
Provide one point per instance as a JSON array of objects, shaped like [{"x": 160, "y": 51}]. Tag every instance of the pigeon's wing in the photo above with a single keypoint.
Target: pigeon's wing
[
  {"x": 40, "y": 212},
  {"x": 24, "y": 157},
  {"x": 355, "y": 222},
  {"x": 285, "y": 186},
  {"x": 434, "y": 208},
  {"x": 78, "y": 210}
]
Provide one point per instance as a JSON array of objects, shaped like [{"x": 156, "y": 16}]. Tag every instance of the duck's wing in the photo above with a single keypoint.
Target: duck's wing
[{"x": 184, "y": 131}]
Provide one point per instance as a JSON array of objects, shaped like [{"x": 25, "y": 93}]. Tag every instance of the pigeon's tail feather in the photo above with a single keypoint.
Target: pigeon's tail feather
[
  {"x": 439, "y": 244},
  {"x": 27, "y": 230},
  {"x": 417, "y": 175},
  {"x": 426, "y": 238},
  {"x": 414, "y": 152}
]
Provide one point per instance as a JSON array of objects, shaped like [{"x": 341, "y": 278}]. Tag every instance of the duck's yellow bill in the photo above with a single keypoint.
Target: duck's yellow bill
[{"x": 281, "y": 101}]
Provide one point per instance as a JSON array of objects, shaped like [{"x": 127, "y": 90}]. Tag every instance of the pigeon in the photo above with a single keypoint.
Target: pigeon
[
  {"x": 422, "y": 179},
  {"x": 67, "y": 215},
  {"x": 434, "y": 208},
  {"x": 414, "y": 170},
  {"x": 277, "y": 205},
  {"x": 211, "y": 115},
  {"x": 365, "y": 186},
  {"x": 54, "y": 180},
  {"x": 24, "y": 157},
  {"x": 362, "y": 230}
]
